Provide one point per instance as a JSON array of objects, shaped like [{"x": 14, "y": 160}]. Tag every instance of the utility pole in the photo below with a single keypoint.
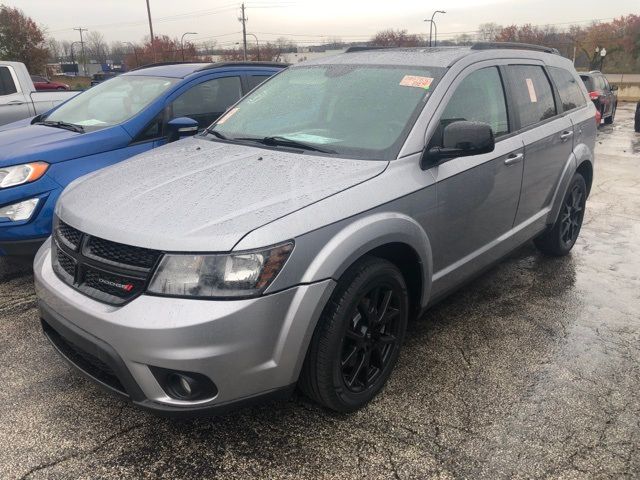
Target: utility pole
[
  {"x": 84, "y": 58},
  {"x": 153, "y": 48},
  {"x": 244, "y": 20}
]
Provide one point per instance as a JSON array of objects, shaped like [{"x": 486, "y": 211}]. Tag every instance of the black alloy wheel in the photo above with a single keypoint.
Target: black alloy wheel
[
  {"x": 572, "y": 215},
  {"x": 358, "y": 337},
  {"x": 559, "y": 239},
  {"x": 371, "y": 337}
]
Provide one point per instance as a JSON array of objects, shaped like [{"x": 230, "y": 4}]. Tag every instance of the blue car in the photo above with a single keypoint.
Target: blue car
[{"x": 124, "y": 116}]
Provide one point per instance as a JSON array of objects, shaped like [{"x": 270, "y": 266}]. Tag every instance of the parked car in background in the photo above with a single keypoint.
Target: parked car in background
[
  {"x": 291, "y": 242},
  {"x": 18, "y": 98},
  {"x": 102, "y": 76},
  {"x": 111, "y": 122},
  {"x": 602, "y": 94},
  {"x": 637, "y": 118},
  {"x": 42, "y": 83}
]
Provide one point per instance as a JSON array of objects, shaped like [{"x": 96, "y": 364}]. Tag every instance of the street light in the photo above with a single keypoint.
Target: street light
[
  {"x": 182, "y": 42},
  {"x": 431, "y": 25},
  {"x": 73, "y": 61},
  {"x": 257, "y": 44}
]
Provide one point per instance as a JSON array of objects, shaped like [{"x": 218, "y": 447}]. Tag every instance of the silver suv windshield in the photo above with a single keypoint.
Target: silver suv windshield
[
  {"x": 111, "y": 102},
  {"x": 356, "y": 111}
]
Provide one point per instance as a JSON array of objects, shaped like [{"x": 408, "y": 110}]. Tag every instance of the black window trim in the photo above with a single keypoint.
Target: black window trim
[
  {"x": 555, "y": 88},
  {"x": 559, "y": 114}
]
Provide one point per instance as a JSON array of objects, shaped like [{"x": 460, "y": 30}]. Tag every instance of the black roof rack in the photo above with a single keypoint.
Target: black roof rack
[
  {"x": 243, "y": 64},
  {"x": 513, "y": 46},
  {"x": 209, "y": 65},
  {"x": 364, "y": 48},
  {"x": 162, "y": 64}
]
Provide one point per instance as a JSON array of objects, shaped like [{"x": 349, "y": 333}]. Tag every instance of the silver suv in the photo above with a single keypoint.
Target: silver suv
[{"x": 291, "y": 242}]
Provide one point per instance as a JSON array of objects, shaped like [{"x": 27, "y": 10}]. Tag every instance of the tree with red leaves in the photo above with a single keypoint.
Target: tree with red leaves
[
  {"x": 396, "y": 38},
  {"x": 21, "y": 40},
  {"x": 166, "y": 50}
]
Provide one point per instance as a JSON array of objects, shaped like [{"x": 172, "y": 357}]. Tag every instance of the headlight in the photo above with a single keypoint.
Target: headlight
[
  {"x": 19, "y": 174},
  {"x": 242, "y": 274},
  {"x": 19, "y": 211}
]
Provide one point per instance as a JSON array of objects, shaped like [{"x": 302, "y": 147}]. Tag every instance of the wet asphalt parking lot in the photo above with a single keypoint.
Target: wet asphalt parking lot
[{"x": 531, "y": 371}]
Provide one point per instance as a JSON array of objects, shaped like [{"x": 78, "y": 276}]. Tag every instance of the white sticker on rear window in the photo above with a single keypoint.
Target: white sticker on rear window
[
  {"x": 416, "y": 81},
  {"x": 532, "y": 91}
]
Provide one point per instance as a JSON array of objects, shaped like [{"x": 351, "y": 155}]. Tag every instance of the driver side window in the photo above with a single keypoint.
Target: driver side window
[
  {"x": 208, "y": 100},
  {"x": 479, "y": 98}
]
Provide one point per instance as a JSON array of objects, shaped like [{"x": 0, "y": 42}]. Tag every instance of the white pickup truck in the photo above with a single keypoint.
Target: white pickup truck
[{"x": 18, "y": 98}]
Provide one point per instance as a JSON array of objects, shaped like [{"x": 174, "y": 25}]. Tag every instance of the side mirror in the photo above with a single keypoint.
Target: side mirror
[
  {"x": 181, "y": 127},
  {"x": 614, "y": 88},
  {"x": 463, "y": 139}
]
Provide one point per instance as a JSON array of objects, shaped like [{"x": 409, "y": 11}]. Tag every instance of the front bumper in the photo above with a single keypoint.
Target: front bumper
[{"x": 249, "y": 348}]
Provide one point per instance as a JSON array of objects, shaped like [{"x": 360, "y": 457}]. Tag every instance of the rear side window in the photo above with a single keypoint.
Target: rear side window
[
  {"x": 7, "y": 86},
  {"x": 532, "y": 94},
  {"x": 570, "y": 93},
  {"x": 478, "y": 98},
  {"x": 254, "y": 80},
  {"x": 588, "y": 82},
  {"x": 206, "y": 101}
]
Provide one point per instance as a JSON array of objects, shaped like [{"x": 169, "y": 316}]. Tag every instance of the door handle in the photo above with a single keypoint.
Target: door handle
[
  {"x": 566, "y": 135},
  {"x": 15, "y": 102},
  {"x": 514, "y": 158}
]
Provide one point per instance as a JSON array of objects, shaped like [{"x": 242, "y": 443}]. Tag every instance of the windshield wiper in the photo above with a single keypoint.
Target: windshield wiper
[
  {"x": 276, "y": 141},
  {"x": 216, "y": 134},
  {"x": 69, "y": 126}
]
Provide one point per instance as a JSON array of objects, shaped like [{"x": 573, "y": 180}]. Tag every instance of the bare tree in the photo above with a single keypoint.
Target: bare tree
[
  {"x": 488, "y": 32},
  {"x": 97, "y": 46},
  {"x": 55, "y": 50}
]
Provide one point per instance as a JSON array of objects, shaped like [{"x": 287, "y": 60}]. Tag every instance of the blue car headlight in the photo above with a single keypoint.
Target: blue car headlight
[{"x": 21, "y": 174}]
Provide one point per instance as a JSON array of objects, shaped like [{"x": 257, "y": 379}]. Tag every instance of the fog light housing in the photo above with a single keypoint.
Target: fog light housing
[
  {"x": 186, "y": 386},
  {"x": 19, "y": 211}
]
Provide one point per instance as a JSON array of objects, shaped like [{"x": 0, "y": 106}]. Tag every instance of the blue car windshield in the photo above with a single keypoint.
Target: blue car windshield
[
  {"x": 112, "y": 102},
  {"x": 354, "y": 111}
]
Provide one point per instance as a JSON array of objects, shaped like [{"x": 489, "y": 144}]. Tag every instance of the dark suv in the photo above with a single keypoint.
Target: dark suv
[{"x": 602, "y": 94}]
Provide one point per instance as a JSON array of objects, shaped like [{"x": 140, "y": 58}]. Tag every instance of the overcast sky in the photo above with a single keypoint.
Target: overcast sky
[{"x": 304, "y": 21}]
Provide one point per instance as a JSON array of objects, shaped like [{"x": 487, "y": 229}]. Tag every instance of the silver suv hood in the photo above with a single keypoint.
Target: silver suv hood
[{"x": 199, "y": 195}]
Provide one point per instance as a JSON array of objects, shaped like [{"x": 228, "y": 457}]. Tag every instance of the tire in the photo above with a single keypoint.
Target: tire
[
  {"x": 636, "y": 125},
  {"x": 357, "y": 330},
  {"x": 609, "y": 120},
  {"x": 558, "y": 240}
]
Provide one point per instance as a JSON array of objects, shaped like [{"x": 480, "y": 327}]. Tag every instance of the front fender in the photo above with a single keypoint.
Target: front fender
[{"x": 333, "y": 249}]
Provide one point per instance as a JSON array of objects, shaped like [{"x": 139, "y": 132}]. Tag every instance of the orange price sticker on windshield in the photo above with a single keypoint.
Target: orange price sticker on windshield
[
  {"x": 227, "y": 115},
  {"x": 416, "y": 81}
]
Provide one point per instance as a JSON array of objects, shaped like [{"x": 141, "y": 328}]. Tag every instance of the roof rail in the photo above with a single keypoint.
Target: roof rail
[
  {"x": 243, "y": 64},
  {"x": 513, "y": 46},
  {"x": 209, "y": 65},
  {"x": 364, "y": 48},
  {"x": 162, "y": 64}
]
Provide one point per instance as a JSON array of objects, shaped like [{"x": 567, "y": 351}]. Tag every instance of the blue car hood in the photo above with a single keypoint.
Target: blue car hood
[{"x": 50, "y": 144}]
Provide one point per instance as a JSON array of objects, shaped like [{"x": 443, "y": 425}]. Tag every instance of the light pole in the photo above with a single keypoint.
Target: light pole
[
  {"x": 153, "y": 49},
  {"x": 257, "y": 44},
  {"x": 182, "y": 42},
  {"x": 431, "y": 22}
]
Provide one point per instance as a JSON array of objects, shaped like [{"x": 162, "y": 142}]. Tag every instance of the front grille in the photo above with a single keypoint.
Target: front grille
[
  {"x": 107, "y": 271},
  {"x": 67, "y": 264},
  {"x": 68, "y": 235},
  {"x": 119, "y": 254},
  {"x": 85, "y": 361}
]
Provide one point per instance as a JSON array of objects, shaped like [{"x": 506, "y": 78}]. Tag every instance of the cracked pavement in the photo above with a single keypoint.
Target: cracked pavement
[{"x": 530, "y": 371}]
